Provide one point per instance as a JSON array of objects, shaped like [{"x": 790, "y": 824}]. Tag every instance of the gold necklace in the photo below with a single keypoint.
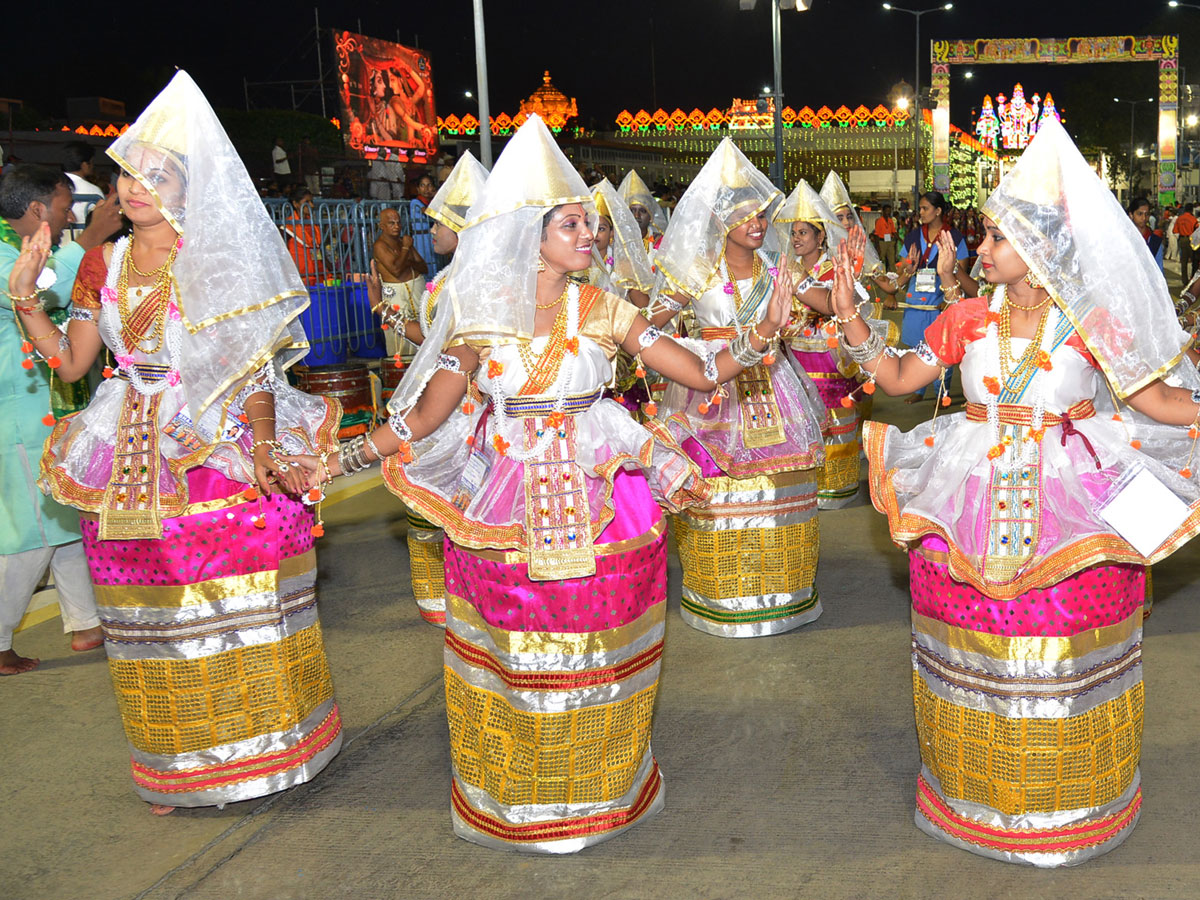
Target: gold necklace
[
  {"x": 155, "y": 273},
  {"x": 1005, "y": 336},
  {"x": 1034, "y": 308},
  {"x": 755, "y": 272},
  {"x": 553, "y": 303},
  {"x": 143, "y": 328}
]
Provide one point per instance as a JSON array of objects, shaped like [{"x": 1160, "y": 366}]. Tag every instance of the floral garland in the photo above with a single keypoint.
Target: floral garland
[
  {"x": 501, "y": 430},
  {"x": 110, "y": 328}
]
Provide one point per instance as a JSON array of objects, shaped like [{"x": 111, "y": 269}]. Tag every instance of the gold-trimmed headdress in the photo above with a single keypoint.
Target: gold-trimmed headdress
[
  {"x": 728, "y": 191},
  {"x": 458, "y": 194},
  {"x": 1071, "y": 231},
  {"x": 635, "y": 193},
  {"x": 238, "y": 289}
]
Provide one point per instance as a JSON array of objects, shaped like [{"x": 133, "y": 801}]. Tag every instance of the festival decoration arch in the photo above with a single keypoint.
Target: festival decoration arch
[{"x": 1162, "y": 48}]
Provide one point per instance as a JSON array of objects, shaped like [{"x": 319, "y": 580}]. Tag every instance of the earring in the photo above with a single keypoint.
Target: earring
[
  {"x": 541, "y": 263},
  {"x": 1032, "y": 280}
]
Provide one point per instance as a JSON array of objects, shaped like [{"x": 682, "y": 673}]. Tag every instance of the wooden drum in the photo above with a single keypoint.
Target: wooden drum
[
  {"x": 349, "y": 383},
  {"x": 390, "y": 373}
]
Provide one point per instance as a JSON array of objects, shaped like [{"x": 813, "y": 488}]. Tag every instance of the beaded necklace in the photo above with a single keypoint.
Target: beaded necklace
[
  {"x": 1037, "y": 355},
  {"x": 502, "y": 430},
  {"x": 113, "y": 332},
  {"x": 145, "y": 324}
]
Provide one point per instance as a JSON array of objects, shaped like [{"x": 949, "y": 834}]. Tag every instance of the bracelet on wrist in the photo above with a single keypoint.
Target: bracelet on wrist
[{"x": 846, "y": 320}]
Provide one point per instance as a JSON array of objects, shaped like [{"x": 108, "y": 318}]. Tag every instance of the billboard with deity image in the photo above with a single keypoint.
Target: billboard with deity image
[{"x": 386, "y": 91}]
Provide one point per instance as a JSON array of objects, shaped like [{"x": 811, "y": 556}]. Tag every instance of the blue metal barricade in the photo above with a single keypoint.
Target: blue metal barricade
[{"x": 330, "y": 242}]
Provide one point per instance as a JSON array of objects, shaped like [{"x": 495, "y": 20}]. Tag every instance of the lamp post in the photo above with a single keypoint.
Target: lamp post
[
  {"x": 485, "y": 120},
  {"x": 1132, "y": 108},
  {"x": 916, "y": 14},
  {"x": 777, "y": 58}
]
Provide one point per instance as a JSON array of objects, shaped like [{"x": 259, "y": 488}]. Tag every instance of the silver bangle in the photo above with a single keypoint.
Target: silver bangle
[
  {"x": 370, "y": 443},
  {"x": 867, "y": 350},
  {"x": 743, "y": 351}
]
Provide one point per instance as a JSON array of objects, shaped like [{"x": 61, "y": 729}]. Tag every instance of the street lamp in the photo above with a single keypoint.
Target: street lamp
[
  {"x": 1174, "y": 4},
  {"x": 916, "y": 14},
  {"x": 1132, "y": 108},
  {"x": 777, "y": 54}
]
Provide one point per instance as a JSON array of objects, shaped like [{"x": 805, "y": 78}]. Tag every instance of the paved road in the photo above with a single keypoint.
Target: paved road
[{"x": 790, "y": 762}]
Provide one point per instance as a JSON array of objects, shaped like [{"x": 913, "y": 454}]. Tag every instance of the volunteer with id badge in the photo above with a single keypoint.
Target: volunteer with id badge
[{"x": 923, "y": 297}]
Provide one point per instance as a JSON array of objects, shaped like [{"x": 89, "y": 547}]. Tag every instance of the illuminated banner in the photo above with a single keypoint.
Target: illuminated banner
[{"x": 386, "y": 91}]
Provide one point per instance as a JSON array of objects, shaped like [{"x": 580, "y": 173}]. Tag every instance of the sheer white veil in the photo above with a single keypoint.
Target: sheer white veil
[
  {"x": 728, "y": 190},
  {"x": 237, "y": 286},
  {"x": 489, "y": 292}
]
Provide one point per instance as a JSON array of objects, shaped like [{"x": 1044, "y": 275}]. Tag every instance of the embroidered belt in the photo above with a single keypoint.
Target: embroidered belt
[
  {"x": 527, "y": 407},
  {"x": 150, "y": 374},
  {"x": 719, "y": 334},
  {"x": 1012, "y": 414}
]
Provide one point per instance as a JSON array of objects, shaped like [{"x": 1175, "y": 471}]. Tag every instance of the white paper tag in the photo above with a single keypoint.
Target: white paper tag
[
  {"x": 926, "y": 281},
  {"x": 1142, "y": 509},
  {"x": 887, "y": 238},
  {"x": 472, "y": 479}
]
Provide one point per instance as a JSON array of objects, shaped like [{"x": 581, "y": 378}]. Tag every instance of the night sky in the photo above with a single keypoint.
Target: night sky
[{"x": 704, "y": 51}]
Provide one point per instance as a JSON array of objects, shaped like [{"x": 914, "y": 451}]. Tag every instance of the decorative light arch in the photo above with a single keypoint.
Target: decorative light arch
[{"x": 1163, "y": 48}]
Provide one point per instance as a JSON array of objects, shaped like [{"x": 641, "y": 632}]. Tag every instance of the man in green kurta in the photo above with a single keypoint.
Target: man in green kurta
[{"x": 35, "y": 531}]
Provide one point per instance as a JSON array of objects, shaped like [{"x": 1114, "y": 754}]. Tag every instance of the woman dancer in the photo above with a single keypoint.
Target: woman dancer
[
  {"x": 749, "y": 556},
  {"x": 811, "y": 230},
  {"x": 620, "y": 266},
  {"x": 1026, "y": 601},
  {"x": 448, "y": 209},
  {"x": 926, "y": 293},
  {"x": 204, "y": 567},
  {"x": 556, "y": 548}
]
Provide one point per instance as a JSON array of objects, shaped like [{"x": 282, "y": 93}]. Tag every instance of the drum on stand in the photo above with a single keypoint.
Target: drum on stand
[{"x": 351, "y": 384}]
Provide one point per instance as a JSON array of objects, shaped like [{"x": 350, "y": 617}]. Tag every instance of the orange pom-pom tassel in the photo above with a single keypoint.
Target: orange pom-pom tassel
[
  {"x": 651, "y": 408},
  {"x": 703, "y": 408},
  {"x": 27, "y": 363},
  {"x": 260, "y": 522},
  {"x": 250, "y": 494},
  {"x": 929, "y": 441},
  {"x": 716, "y": 400},
  {"x": 945, "y": 401},
  {"x": 314, "y": 494},
  {"x": 1193, "y": 432},
  {"x": 868, "y": 387},
  {"x": 639, "y": 372},
  {"x": 107, "y": 372},
  {"x": 831, "y": 343},
  {"x": 1135, "y": 444},
  {"x": 318, "y": 530},
  {"x": 54, "y": 362},
  {"x": 470, "y": 440},
  {"x": 768, "y": 359},
  {"x": 468, "y": 407},
  {"x": 908, "y": 295},
  {"x": 1116, "y": 417},
  {"x": 48, "y": 419},
  {"x": 1185, "y": 472},
  {"x": 847, "y": 401},
  {"x": 243, "y": 418},
  {"x": 620, "y": 398},
  {"x": 26, "y": 347}
]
